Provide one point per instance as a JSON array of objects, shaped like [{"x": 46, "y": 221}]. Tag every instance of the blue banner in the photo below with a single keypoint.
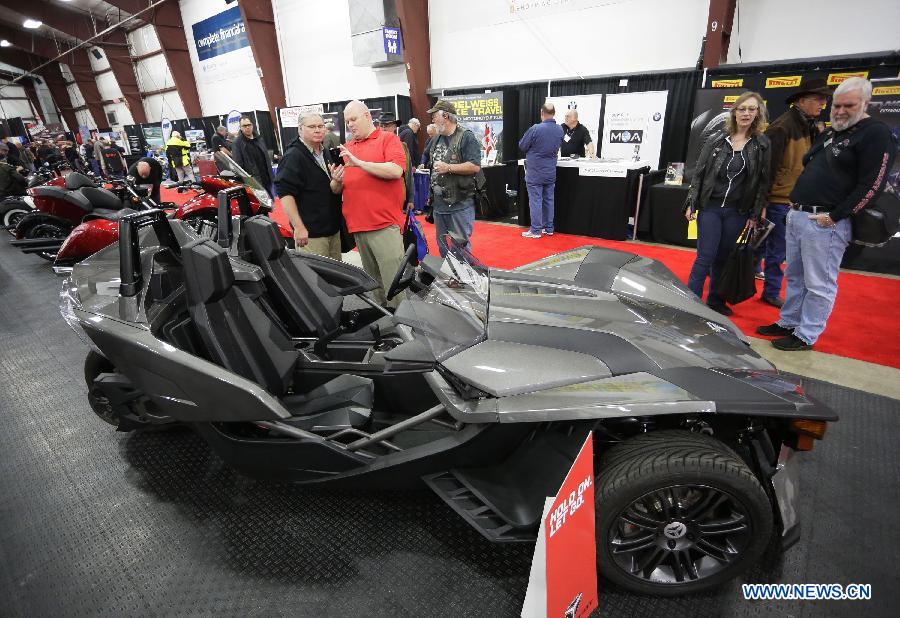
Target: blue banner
[
  {"x": 220, "y": 34},
  {"x": 391, "y": 40}
]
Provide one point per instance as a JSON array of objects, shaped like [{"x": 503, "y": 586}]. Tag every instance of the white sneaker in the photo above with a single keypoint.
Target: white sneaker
[
  {"x": 530, "y": 234},
  {"x": 546, "y": 233}
]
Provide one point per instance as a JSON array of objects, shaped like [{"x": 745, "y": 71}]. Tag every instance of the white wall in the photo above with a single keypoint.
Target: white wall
[
  {"x": 13, "y": 109},
  {"x": 153, "y": 74},
  {"x": 317, "y": 56},
  {"x": 477, "y": 42},
  {"x": 781, "y": 29},
  {"x": 236, "y": 84}
]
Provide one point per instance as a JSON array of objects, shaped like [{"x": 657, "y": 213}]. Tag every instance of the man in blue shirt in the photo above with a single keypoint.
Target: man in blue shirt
[{"x": 540, "y": 145}]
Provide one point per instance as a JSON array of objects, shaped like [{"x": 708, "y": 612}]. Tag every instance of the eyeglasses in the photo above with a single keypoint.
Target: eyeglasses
[
  {"x": 743, "y": 109},
  {"x": 244, "y": 126}
]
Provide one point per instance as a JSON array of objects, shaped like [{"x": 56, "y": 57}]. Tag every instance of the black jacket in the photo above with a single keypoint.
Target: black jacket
[
  {"x": 241, "y": 155},
  {"x": 300, "y": 176},
  {"x": 713, "y": 155},
  {"x": 408, "y": 137}
]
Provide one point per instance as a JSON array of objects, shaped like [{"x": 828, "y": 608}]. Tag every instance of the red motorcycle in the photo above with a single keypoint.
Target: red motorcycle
[
  {"x": 13, "y": 208},
  {"x": 95, "y": 233}
]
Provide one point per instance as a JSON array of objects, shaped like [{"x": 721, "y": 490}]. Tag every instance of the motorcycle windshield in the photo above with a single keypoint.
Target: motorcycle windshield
[
  {"x": 226, "y": 163},
  {"x": 452, "y": 314}
]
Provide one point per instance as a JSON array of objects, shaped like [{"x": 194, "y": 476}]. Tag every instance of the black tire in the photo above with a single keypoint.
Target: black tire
[
  {"x": 48, "y": 229},
  {"x": 696, "y": 515},
  {"x": 11, "y": 212}
]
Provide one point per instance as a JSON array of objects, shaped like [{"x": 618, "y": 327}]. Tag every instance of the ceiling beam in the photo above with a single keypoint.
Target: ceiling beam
[
  {"x": 259, "y": 23},
  {"x": 51, "y": 75},
  {"x": 166, "y": 19}
]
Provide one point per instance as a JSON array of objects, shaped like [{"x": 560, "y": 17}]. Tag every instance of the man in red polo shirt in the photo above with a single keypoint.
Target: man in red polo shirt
[{"x": 372, "y": 185}]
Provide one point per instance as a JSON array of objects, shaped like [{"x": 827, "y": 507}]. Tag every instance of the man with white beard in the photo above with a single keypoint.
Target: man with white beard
[{"x": 844, "y": 170}]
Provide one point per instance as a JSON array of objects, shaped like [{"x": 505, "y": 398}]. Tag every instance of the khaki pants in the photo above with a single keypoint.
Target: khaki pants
[
  {"x": 381, "y": 252},
  {"x": 326, "y": 246}
]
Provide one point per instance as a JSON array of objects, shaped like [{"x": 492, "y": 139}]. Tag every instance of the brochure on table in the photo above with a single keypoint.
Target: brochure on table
[
  {"x": 483, "y": 115},
  {"x": 589, "y": 108},
  {"x": 633, "y": 126},
  {"x": 609, "y": 168}
]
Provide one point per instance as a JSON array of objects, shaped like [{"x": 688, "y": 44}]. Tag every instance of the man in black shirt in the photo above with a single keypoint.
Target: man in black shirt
[
  {"x": 148, "y": 171},
  {"x": 407, "y": 135},
  {"x": 309, "y": 196},
  {"x": 113, "y": 161},
  {"x": 576, "y": 137},
  {"x": 220, "y": 141},
  {"x": 844, "y": 170},
  {"x": 249, "y": 151}
]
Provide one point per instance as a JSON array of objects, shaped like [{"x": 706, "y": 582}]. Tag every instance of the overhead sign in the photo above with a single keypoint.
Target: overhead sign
[
  {"x": 391, "y": 40},
  {"x": 563, "y": 579},
  {"x": 220, "y": 34},
  {"x": 836, "y": 78},
  {"x": 784, "y": 81}
]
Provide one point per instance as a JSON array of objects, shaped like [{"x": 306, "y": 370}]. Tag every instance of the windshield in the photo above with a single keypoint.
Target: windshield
[
  {"x": 452, "y": 314},
  {"x": 226, "y": 163}
]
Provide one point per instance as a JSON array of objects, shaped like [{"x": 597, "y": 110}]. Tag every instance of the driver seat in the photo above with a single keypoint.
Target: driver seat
[
  {"x": 238, "y": 336},
  {"x": 77, "y": 180},
  {"x": 306, "y": 303}
]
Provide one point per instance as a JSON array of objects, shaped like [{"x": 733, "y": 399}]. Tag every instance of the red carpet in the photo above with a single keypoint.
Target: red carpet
[{"x": 863, "y": 324}]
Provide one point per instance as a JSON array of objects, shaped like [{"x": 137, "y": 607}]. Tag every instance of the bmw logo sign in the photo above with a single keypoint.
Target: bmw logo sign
[
  {"x": 657, "y": 116},
  {"x": 626, "y": 136}
]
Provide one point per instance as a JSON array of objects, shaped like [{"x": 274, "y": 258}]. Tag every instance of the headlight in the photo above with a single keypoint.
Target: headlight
[{"x": 263, "y": 198}]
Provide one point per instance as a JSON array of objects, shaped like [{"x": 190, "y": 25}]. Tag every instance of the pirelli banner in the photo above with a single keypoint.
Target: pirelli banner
[{"x": 778, "y": 86}]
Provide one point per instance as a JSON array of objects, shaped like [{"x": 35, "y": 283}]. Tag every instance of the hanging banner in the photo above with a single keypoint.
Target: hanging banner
[
  {"x": 563, "y": 578},
  {"x": 589, "y": 108},
  {"x": 290, "y": 116},
  {"x": 166, "y": 126},
  {"x": 153, "y": 136},
  {"x": 483, "y": 115},
  {"x": 223, "y": 49},
  {"x": 633, "y": 126}
]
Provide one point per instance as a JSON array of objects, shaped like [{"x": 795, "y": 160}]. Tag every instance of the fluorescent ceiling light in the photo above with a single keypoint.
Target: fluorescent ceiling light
[
  {"x": 5, "y": 43},
  {"x": 31, "y": 23}
]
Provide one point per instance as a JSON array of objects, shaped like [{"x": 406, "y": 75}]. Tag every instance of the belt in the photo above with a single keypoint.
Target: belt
[{"x": 810, "y": 208}]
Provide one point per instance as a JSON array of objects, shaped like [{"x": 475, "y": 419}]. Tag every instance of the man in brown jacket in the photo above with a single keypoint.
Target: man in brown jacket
[{"x": 791, "y": 135}]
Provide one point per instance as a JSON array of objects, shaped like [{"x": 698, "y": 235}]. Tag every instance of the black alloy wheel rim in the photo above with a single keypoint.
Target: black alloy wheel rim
[{"x": 680, "y": 534}]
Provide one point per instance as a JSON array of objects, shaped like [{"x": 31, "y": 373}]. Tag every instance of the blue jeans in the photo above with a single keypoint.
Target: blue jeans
[
  {"x": 540, "y": 203},
  {"x": 717, "y": 230},
  {"x": 773, "y": 249},
  {"x": 813, "y": 261},
  {"x": 459, "y": 221}
]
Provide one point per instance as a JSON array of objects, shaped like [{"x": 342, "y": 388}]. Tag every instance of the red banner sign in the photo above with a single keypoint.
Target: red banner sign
[{"x": 571, "y": 545}]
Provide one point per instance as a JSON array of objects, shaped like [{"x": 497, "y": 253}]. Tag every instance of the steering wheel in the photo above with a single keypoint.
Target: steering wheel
[{"x": 405, "y": 273}]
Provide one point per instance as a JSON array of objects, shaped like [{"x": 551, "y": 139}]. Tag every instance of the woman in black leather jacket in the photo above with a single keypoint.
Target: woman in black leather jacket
[{"x": 729, "y": 189}]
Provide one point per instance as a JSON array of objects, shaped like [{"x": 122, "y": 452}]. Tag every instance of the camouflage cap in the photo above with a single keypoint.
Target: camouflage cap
[{"x": 443, "y": 106}]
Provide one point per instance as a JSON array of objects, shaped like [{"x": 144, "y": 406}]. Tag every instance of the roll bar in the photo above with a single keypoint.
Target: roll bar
[
  {"x": 225, "y": 230},
  {"x": 130, "y": 248}
]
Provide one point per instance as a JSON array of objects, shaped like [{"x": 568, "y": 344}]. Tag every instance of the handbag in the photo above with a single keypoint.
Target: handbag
[
  {"x": 737, "y": 282},
  {"x": 413, "y": 234},
  {"x": 348, "y": 242}
]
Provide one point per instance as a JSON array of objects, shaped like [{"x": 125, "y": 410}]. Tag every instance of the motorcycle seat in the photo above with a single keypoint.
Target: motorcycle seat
[
  {"x": 73, "y": 197},
  {"x": 77, "y": 180},
  {"x": 103, "y": 199},
  {"x": 110, "y": 215}
]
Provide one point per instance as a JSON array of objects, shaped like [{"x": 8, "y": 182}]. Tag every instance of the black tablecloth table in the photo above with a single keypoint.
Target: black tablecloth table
[
  {"x": 667, "y": 222},
  {"x": 597, "y": 206}
]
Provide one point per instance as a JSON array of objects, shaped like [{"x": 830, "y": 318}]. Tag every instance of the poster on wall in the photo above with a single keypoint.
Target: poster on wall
[
  {"x": 290, "y": 116},
  {"x": 589, "y": 108},
  {"x": 483, "y": 115},
  {"x": 223, "y": 49},
  {"x": 633, "y": 126},
  {"x": 153, "y": 136}
]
